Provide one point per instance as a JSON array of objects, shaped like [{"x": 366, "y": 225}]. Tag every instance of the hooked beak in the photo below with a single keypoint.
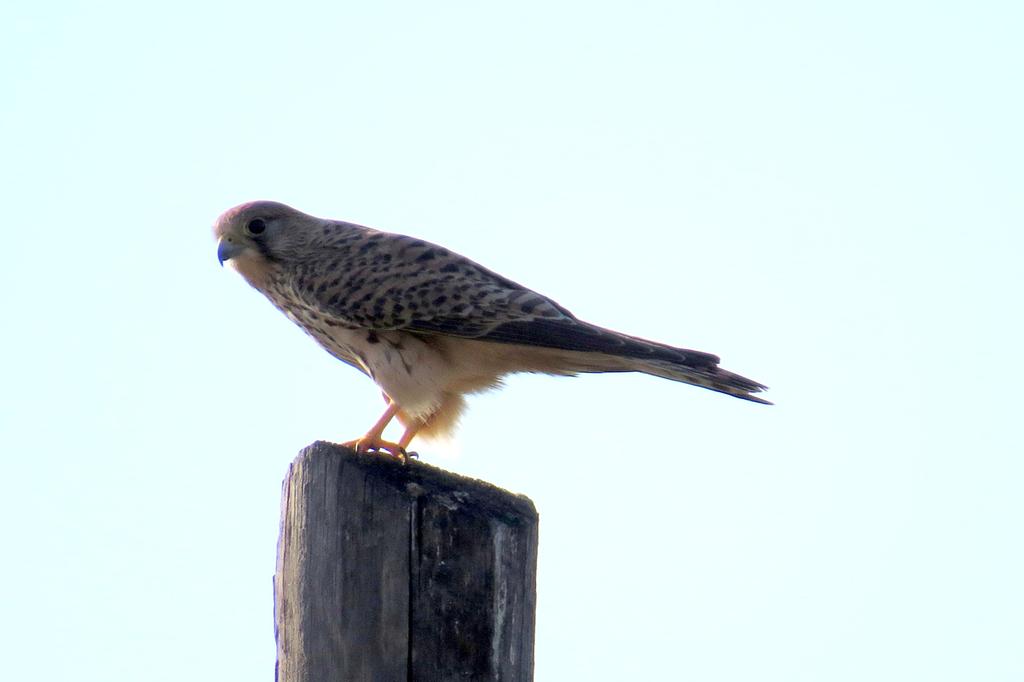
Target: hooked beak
[{"x": 227, "y": 249}]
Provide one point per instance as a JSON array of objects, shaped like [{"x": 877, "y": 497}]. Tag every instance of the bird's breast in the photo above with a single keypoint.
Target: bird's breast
[{"x": 409, "y": 370}]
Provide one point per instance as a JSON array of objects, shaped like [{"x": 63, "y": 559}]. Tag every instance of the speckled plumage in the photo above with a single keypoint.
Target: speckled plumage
[{"x": 429, "y": 325}]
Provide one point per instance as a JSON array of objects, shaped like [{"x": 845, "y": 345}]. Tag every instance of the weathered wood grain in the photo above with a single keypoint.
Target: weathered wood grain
[{"x": 397, "y": 572}]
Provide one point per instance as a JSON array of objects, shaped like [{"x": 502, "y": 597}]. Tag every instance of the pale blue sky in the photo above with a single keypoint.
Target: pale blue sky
[{"x": 828, "y": 196}]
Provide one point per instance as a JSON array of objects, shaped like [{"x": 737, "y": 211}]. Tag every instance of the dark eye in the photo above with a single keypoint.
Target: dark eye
[{"x": 256, "y": 226}]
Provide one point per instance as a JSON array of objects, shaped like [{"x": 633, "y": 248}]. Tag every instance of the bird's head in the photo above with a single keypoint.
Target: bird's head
[{"x": 262, "y": 235}]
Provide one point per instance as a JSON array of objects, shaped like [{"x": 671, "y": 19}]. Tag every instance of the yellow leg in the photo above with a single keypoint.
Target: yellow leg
[
  {"x": 373, "y": 442},
  {"x": 407, "y": 437}
]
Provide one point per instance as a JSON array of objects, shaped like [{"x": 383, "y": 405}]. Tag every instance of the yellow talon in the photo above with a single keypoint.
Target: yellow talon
[{"x": 367, "y": 445}]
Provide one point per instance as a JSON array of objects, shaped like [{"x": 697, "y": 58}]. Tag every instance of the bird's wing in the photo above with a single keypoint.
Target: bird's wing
[{"x": 385, "y": 281}]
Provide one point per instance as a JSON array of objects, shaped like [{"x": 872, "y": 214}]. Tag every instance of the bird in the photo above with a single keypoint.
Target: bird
[{"x": 428, "y": 325}]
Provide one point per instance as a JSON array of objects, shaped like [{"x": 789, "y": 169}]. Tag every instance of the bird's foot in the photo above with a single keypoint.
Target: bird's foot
[{"x": 376, "y": 445}]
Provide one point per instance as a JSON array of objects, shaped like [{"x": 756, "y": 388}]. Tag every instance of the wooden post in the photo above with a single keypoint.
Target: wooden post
[{"x": 398, "y": 572}]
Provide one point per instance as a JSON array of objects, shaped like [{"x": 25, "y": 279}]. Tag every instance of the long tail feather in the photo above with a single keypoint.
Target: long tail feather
[{"x": 713, "y": 378}]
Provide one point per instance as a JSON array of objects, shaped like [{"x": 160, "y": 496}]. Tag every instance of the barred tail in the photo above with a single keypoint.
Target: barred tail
[{"x": 710, "y": 376}]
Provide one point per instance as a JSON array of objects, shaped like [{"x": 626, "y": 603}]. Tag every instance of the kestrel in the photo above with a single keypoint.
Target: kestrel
[{"x": 427, "y": 325}]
